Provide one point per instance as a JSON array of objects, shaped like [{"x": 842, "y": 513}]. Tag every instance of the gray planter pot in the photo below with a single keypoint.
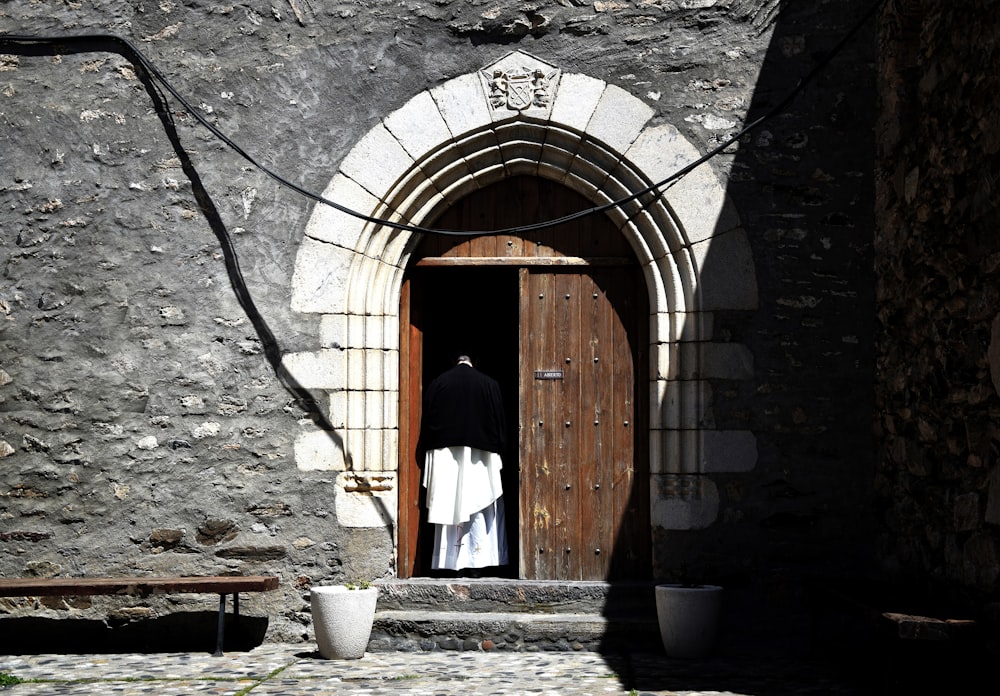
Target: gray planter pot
[
  {"x": 689, "y": 618},
  {"x": 342, "y": 620}
]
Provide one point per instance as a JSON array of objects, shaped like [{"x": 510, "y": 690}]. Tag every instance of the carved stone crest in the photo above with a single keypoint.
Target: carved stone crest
[
  {"x": 519, "y": 83},
  {"x": 520, "y": 88}
]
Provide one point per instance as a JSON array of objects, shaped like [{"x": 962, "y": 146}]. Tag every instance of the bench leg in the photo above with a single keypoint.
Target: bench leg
[{"x": 220, "y": 632}]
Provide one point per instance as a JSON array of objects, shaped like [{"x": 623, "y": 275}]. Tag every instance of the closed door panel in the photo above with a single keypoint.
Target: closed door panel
[{"x": 580, "y": 498}]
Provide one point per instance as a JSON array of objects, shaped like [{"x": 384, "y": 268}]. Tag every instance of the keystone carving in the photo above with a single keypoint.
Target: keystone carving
[{"x": 519, "y": 84}]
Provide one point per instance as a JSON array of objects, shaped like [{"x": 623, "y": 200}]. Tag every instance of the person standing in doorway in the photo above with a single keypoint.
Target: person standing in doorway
[{"x": 463, "y": 436}]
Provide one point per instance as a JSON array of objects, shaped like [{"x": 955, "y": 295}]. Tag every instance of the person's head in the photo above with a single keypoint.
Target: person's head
[{"x": 464, "y": 359}]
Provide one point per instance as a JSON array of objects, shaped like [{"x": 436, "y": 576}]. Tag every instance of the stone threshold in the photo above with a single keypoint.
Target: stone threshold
[{"x": 518, "y": 615}]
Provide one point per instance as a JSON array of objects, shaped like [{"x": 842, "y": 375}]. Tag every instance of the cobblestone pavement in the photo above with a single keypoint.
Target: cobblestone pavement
[{"x": 276, "y": 669}]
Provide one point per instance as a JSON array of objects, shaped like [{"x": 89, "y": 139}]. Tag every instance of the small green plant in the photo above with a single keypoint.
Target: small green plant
[
  {"x": 9, "y": 679},
  {"x": 359, "y": 585}
]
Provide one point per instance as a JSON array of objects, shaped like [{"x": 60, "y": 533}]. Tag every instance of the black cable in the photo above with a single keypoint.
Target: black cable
[
  {"x": 131, "y": 51},
  {"x": 269, "y": 343}
]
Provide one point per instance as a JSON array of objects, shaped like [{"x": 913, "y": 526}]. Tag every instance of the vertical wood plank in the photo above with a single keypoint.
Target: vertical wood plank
[
  {"x": 623, "y": 430},
  {"x": 588, "y": 469},
  {"x": 527, "y": 437},
  {"x": 602, "y": 356},
  {"x": 411, "y": 360},
  {"x": 566, "y": 306},
  {"x": 543, "y": 458}
]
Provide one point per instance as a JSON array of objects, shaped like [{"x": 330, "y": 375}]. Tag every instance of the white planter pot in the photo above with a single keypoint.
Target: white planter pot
[
  {"x": 689, "y": 618},
  {"x": 342, "y": 620}
]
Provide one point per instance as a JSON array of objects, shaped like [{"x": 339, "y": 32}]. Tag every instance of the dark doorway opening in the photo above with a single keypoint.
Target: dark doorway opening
[{"x": 472, "y": 310}]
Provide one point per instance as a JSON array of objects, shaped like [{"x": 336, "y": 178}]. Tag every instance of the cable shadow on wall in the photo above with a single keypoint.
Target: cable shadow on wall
[{"x": 269, "y": 343}]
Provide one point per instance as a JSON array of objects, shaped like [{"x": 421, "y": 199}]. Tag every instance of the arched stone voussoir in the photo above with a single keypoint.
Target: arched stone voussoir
[
  {"x": 578, "y": 98},
  {"x": 632, "y": 232},
  {"x": 661, "y": 151},
  {"x": 680, "y": 277},
  {"x": 698, "y": 200},
  {"x": 378, "y": 161},
  {"x": 700, "y": 203},
  {"x": 462, "y": 104},
  {"x": 483, "y": 177},
  {"x": 524, "y": 131},
  {"x": 395, "y": 249},
  {"x": 388, "y": 279},
  {"x": 418, "y": 126},
  {"x": 618, "y": 119},
  {"x": 328, "y": 224},
  {"x": 521, "y": 166}
]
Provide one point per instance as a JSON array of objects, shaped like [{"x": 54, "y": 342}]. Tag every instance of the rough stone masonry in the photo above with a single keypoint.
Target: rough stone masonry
[{"x": 142, "y": 427}]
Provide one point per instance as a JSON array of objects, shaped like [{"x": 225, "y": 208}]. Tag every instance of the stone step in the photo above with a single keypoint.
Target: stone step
[
  {"x": 529, "y": 596},
  {"x": 396, "y": 630},
  {"x": 491, "y": 613}
]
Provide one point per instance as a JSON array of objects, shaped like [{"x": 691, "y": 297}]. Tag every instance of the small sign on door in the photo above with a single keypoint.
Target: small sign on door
[{"x": 548, "y": 374}]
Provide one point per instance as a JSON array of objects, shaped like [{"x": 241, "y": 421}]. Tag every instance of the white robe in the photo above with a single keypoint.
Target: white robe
[{"x": 465, "y": 505}]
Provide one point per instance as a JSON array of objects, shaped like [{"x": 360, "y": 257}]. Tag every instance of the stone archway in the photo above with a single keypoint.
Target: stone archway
[{"x": 590, "y": 136}]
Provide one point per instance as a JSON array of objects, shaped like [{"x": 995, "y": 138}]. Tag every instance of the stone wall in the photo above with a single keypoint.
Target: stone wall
[
  {"x": 143, "y": 428},
  {"x": 802, "y": 184},
  {"x": 937, "y": 257}
]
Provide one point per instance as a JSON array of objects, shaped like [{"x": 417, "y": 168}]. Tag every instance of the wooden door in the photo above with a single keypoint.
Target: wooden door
[
  {"x": 579, "y": 492},
  {"x": 584, "y": 508}
]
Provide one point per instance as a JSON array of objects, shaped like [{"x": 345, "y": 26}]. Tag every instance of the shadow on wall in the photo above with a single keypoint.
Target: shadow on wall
[
  {"x": 271, "y": 349},
  {"x": 802, "y": 184}
]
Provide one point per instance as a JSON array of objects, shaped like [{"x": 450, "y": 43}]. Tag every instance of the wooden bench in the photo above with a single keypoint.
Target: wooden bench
[
  {"x": 913, "y": 638},
  {"x": 897, "y": 615},
  {"x": 143, "y": 587}
]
